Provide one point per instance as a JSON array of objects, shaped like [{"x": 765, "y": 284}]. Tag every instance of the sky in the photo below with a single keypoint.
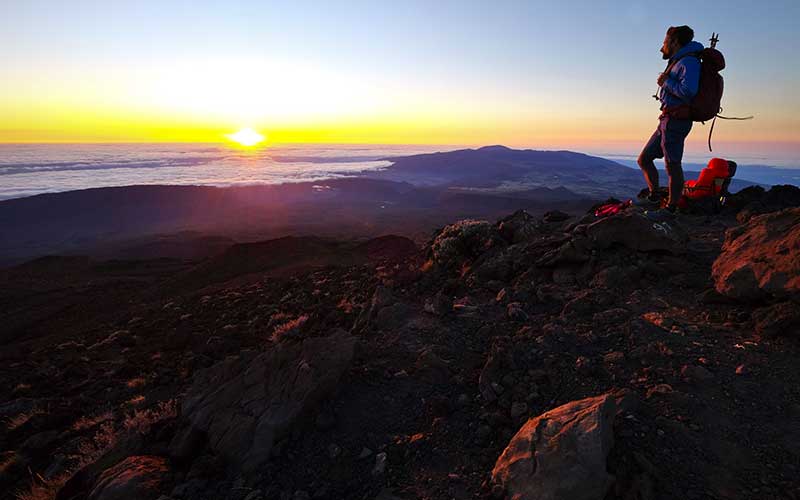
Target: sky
[{"x": 566, "y": 74}]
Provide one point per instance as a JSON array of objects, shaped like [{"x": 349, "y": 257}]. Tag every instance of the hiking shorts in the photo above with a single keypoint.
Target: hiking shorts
[{"x": 667, "y": 141}]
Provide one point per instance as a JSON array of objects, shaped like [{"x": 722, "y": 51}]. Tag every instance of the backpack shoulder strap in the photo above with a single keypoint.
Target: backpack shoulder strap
[{"x": 673, "y": 63}]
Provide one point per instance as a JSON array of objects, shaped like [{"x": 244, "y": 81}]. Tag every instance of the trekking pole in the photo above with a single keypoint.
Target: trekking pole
[{"x": 714, "y": 39}]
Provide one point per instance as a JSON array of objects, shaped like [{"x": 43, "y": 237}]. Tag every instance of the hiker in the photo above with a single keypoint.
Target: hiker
[{"x": 678, "y": 84}]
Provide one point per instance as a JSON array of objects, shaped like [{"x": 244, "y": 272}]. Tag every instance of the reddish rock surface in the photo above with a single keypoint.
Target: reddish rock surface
[
  {"x": 561, "y": 453},
  {"x": 761, "y": 258},
  {"x": 140, "y": 477}
]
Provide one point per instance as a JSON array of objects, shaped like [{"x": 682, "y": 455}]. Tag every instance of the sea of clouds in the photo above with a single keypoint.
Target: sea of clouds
[{"x": 29, "y": 169}]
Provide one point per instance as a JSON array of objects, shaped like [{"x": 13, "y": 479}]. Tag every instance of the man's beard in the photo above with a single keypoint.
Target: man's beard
[{"x": 664, "y": 56}]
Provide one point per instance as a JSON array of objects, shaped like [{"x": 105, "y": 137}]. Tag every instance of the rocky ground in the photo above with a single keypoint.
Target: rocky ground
[{"x": 560, "y": 357}]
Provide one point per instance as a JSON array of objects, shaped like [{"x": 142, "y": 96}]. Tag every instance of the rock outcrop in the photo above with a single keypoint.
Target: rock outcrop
[
  {"x": 518, "y": 227},
  {"x": 761, "y": 259},
  {"x": 755, "y": 200},
  {"x": 561, "y": 453},
  {"x": 635, "y": 231},
  {"x": 244, "y": 407},
  {"x": 782, "y": 319}
]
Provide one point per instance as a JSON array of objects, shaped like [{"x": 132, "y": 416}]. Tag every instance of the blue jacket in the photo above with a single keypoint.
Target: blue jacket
[{"x": 684, "y": 78}]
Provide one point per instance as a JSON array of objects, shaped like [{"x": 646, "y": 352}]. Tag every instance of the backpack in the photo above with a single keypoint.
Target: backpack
[
  {"x": 709, "y": 192},
  {"x": 612, "y": 207},
  {"x": 713, "y": 180},
  {"x": 706, "y": 103}
]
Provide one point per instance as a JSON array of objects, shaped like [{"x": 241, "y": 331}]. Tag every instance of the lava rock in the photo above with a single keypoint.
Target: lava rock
[
  {"x": 635, "y": 231},
  {"x": 140, "y": 477},
  {"x": 781, "y": 319},
  {"x": 759, "y": 260},
  {"x": 561, "y": 453},
  {"x": 245, "y": 407},
  {"x": 516, "y": 312},
  {"x": 696, "y": 373},
  {"x": 518, "y": 227}
]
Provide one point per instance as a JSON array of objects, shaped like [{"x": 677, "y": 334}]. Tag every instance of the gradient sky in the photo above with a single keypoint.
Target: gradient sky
[{"x": 523, "y": 73}]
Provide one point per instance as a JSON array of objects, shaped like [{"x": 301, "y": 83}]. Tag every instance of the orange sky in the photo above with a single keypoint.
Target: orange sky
[{"x": 142, "y": 73}]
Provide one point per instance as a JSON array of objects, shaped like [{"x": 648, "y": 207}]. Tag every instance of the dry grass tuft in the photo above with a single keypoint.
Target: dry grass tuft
[
  {"x": 43, "y": 489},
  {"x": 23, "y": 418},
  {"x": 21, "y": 387},
  {"x": 7, "y": 459},
  {"x": 288, "y": 326},
  {"x": 136, "y": 400},
  {"x": 279, "y": 316},
  {"x": 90, "y": 450},
  {"x": 140, "y": 421},
  {"x": 84, "y": 423},
  {"x": 135, "y": 382}
]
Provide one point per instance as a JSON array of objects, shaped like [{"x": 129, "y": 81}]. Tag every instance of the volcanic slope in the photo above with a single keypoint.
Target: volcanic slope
[{"x": 407, "y": 374}]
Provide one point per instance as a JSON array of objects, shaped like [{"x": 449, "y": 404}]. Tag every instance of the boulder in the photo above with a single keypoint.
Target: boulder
[
  {"x": 498, "y": 362},
  {"x": 140, "y": 477},
  {"x": 635, "y": 231},
  {"x": 429, "y": 366},
  {"x": 245, "y": 404},
  {"x": 518, "y": 227},
  {"x": 696, "y": 374},
  {"x": 573, "y": 251},
  {"x": 496, "y": 266},
  {"x": 615, "y": 316},
  {"x": 393, "y": 316},
  {"x": 516, "y": 312},
  {"x": 759, "y": 260},
  {"x": 754, "y": 200},
  {"x": 781, "y": 319},
  {"x": 561, "y": 453},
  {"x": 617, "y": 277},
  {"x": 440, "y": 304},
  {"x": 555, "y": 216},
  {"x": 382, "y": 298},
  {"x": 582, "y": 307}
]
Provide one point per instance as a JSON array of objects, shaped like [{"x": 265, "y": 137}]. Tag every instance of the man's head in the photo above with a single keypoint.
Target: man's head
[{"x": 677, "y": 37}]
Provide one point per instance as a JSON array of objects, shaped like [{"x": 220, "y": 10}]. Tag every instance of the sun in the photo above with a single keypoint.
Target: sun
[{"x": 246, "y": 137}]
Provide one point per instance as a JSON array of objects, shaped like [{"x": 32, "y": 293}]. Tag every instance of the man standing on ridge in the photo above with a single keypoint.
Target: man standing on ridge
[{"x": 678, "y": 84}]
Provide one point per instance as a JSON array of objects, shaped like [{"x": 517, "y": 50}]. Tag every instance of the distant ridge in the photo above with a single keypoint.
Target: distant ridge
[{"x": 411, "y": 197}]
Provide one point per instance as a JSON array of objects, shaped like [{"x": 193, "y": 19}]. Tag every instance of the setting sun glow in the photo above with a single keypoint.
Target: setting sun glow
[{"x": 246, "y": 137}]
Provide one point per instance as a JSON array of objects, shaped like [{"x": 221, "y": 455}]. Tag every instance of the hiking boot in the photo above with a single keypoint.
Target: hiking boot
[
  {"x": 647, "y": 203},
  {"x": 661, "y": 215}
]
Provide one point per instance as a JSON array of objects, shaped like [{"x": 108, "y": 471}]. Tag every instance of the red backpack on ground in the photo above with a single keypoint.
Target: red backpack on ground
[
  {"x": 711, "y": 187},
  {"x": 712, "y": 181}
]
